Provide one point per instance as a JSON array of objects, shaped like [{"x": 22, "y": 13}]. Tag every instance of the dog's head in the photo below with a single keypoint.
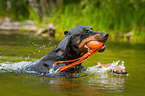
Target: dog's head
[{"x": 77, "y": 38}]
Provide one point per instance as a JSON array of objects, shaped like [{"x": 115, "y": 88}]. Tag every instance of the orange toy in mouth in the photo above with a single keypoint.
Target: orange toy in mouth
[{"x": 92, "y": 46}]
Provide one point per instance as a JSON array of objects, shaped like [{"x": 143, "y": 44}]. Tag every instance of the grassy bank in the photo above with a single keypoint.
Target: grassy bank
[{"x": 116, "y": 17}]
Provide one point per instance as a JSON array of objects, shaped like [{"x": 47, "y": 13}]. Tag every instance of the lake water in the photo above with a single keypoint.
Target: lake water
[{"x": 17, "y": 50}]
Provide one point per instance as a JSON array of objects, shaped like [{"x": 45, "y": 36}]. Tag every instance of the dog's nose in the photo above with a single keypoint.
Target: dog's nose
[{"x": 105, "y": 35}]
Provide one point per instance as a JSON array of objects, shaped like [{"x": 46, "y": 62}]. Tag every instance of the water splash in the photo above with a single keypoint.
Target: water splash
[
  {"x": 13, "y": 67},
  {"x": 52, "y": 71},
  {"x": 94, "y": 69},
  {"x": 10, "y": 66}
]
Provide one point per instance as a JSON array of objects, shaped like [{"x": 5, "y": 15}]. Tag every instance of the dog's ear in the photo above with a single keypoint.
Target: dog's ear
[
  {"x": 65, "y": 33},
  {"x": 61, "y": 47}
]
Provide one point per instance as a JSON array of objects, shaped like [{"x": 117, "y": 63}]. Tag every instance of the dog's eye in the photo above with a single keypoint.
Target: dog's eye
[{"x": 86, "y": 31}]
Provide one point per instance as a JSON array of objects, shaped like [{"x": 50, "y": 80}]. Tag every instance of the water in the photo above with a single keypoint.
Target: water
[
  {"x": 14, "y": 68},
  {"x": 17, "y": 51}
]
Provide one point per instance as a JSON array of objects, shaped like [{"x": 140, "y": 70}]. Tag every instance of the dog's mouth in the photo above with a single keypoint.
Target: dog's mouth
[
  {"x": 102, "y": 48},
  {"x": 98, "y": 38}
]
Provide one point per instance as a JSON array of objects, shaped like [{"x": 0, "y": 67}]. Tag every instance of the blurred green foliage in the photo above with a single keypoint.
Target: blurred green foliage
[{"x": 115, "y": 17}]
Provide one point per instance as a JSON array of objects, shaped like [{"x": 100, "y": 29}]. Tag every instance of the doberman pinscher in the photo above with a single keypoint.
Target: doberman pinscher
[{"x": 71, "y": 47}]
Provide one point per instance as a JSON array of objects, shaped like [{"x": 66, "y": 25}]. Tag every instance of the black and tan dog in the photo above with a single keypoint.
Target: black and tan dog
[{"x": 71, "y": 47}]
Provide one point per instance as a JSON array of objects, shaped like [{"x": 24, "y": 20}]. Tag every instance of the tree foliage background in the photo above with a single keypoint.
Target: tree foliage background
[{"x": 111, "y": 16}]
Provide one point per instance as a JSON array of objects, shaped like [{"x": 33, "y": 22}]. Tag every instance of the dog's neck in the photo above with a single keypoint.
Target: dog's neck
[{"x": 72, "y": 53}]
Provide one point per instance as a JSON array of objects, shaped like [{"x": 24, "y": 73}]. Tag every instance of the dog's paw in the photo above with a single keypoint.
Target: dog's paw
[{"x": 119, "y": 70}]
